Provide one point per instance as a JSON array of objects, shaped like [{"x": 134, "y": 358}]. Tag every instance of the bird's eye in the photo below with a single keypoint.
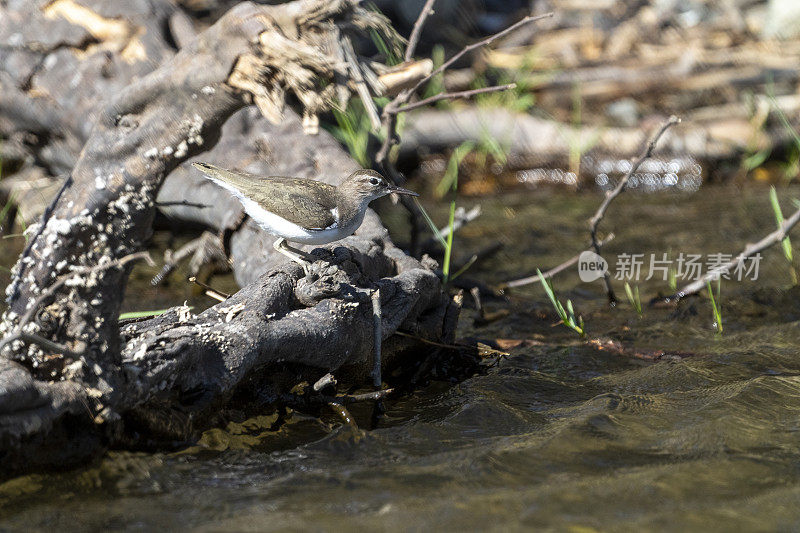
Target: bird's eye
[{"x": 374, "y": 181}]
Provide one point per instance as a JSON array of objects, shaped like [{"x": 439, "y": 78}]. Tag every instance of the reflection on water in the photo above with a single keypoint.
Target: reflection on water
[
  {"x": 678, "y": 173},
  {"x": 682, "y": 173},
  {"x": 534, "y": 177},
  {"x": 560, "y": 435}
]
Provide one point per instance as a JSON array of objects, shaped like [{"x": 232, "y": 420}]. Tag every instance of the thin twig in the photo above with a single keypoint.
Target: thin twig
[
  {"x": 210, "y": 291},
  {"x": 462, "y": 218},
  {"x": 594, "y": 222},
  {"x": 365, "y": 397},
  {"x": 553, "y": 271},
  {"x": 484, "y": 42},
  {"x": 378, "y": 332},
  {"x": 416, "y": 31},
  {"x": 749, "y": 250},
  {"x": 389, "y": 125},
  {"x": 390, "y": 111},
  {"x": 454, "y": 96},
  {"x": 20, "y": 334},
  {"x": 324, "y": 381},
  {"x": 448, "y": 346},
  {"x": 183, "y": 203}
]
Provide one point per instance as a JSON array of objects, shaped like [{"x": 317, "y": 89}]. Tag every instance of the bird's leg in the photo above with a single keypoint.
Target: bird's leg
[{"x": 294, "y": 254}]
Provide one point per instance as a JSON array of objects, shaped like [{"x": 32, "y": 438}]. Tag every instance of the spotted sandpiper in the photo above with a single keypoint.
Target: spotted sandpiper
[{"x": 301, "y": 210}]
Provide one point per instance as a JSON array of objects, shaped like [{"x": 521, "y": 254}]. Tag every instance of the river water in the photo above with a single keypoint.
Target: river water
[{"x": 560, "y": 435}]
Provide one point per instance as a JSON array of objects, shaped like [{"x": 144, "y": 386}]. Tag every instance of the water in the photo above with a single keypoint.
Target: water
[{"x": 561, "y": 435}]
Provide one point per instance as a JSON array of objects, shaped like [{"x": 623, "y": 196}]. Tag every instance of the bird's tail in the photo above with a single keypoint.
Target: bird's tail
[{"x": 236, "y": 182}]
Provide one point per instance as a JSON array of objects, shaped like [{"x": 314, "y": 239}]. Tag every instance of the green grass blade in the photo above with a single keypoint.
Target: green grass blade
[
  {"x": 629, "y": 293},
  {"x": 547, "y": 288},
  {"x": 786, "y": 243},
  {"x": 143, "y": 314},
  {"x": 449, "y": 247},
  {"x": 449, "y": 180},
  {"x": 714, "y": 306},
  {"x": 431, "y": 224},
  {"x": 464, "y": 268}
]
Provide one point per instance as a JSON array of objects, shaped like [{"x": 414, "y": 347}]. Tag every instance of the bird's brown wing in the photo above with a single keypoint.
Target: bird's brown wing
[
  {"x": 307, "y": 203},
  {"x": 304, "y": 202}
]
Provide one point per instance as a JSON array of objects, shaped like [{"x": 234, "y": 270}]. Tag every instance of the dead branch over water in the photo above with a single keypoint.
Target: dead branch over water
[
  {"x": 749, "y": 251},
  {"x": 594, "y": 222}
]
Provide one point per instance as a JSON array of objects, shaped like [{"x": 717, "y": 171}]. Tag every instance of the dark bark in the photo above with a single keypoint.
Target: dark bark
[{"x": 166, "y": 377}]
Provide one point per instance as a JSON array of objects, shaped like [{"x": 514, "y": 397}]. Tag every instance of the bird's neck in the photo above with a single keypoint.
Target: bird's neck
[{"x": 350, "y": 209}]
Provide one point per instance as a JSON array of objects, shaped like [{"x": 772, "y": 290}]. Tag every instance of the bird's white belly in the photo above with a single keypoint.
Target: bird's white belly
[{"x": 290, "y": 231}]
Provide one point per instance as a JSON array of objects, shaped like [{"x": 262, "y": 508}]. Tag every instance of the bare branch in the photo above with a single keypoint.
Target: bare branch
[
  {"x": 389, "y": 123},
  {"x": 47, "y": 344},
  {"x": 479, "y": 44},
  {"x": 553, "y": 271},
  {"x": 462, "y": 218},
  {"x": 427, "y": 10},
  {"x": 324, "y": 381},
  {"x": 750, "y": 250},
  {"x": 453, "y": 96},
  {"x": 594, "y": 222},
  {"x": 377, "y": 379},
  {"x": 390, "y": 111},
  {"x": 366, "y": 396}
]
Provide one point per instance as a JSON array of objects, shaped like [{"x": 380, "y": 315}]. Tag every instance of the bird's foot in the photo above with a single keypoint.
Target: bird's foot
[
  {"x": 306, "y": 266},
  {"x": 298, "y": 256}
]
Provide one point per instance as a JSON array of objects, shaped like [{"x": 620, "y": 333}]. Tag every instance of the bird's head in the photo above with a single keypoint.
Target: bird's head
[{"x": 367, "y": 185}]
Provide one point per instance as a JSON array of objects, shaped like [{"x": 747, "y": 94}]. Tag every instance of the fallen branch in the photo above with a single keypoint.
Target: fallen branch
[
  {"x": 749, "y": 251},
  {"x": 594, "y": 222}
]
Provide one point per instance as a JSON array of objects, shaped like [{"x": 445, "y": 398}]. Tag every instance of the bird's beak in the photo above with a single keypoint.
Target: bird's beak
[{"x": 400, "y": 190}]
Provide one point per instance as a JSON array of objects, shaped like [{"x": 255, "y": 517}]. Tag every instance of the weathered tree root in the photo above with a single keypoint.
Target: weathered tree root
[{"x": 166, "y": 377}]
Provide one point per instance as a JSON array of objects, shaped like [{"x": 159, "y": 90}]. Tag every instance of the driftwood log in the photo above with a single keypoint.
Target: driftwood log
[
  {"x": 111, "y": 101},
  {"x": 711, "y": 135}
]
